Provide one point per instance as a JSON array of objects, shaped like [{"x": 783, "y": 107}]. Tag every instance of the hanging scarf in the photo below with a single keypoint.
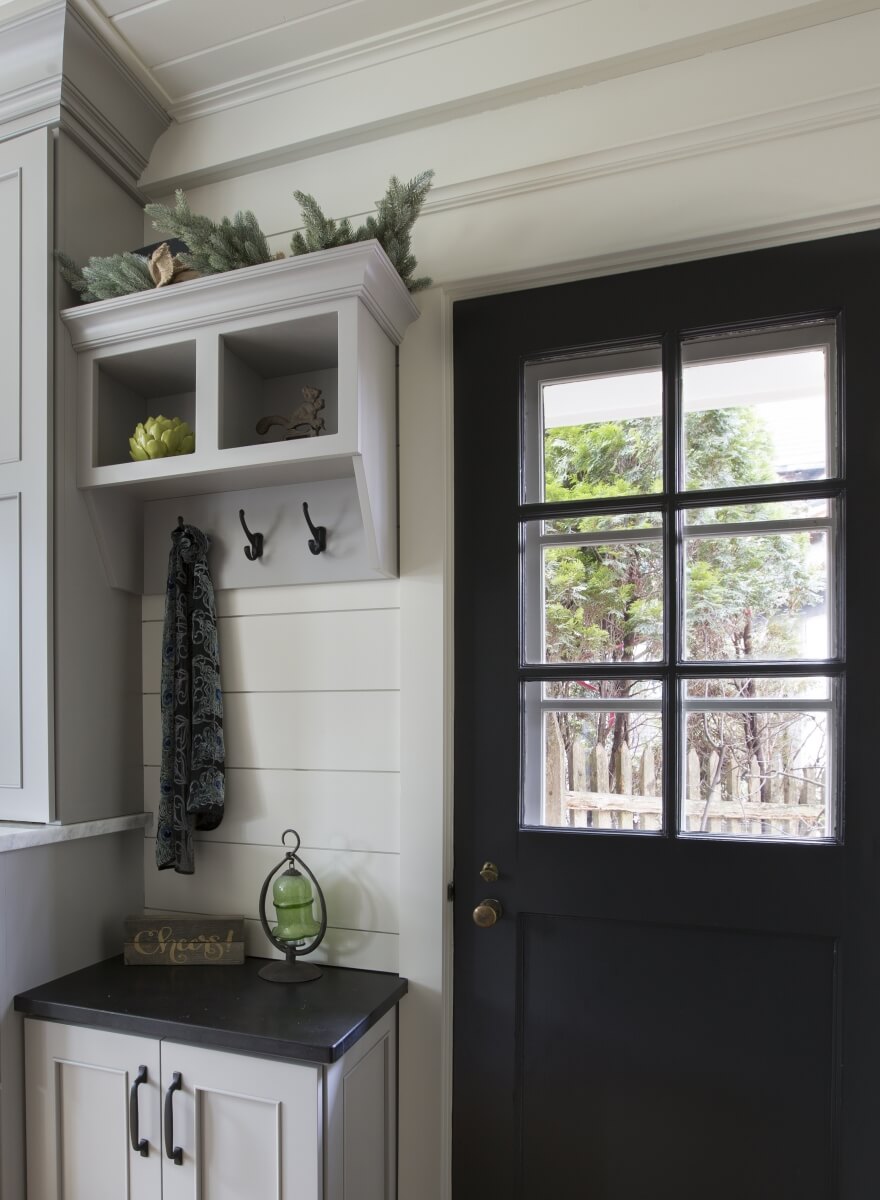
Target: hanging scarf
[{"x": 191, "y": 781}]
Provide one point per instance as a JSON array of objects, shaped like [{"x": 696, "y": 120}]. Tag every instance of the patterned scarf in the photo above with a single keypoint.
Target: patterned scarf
[{"x": 191, "y": 781}]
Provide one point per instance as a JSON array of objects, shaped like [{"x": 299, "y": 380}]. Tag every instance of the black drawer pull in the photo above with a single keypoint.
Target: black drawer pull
[
  {"x": 175, "y": 1153},
  {"x": 137, "y": 1142}
]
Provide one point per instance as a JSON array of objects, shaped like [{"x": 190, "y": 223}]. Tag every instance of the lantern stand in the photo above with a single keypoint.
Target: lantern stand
[{"x": 292, "y": 897}]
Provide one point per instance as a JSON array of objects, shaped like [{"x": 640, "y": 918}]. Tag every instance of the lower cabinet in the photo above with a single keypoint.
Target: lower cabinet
[{"x": 112, "y": 1116}]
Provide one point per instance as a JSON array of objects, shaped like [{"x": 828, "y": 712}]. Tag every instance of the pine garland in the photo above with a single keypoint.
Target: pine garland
[
  {"x": 106, "y": 278},
  {"x": 396, "y": 214},
  {"x": 213, "y": 248}
]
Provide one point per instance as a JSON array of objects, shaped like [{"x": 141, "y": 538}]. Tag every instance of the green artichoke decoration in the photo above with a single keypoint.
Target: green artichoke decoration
[{"x": 160, "y": 437}]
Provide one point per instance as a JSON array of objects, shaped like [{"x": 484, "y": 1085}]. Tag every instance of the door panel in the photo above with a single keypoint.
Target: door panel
[
  {"x": 685, "y": 1010},
  {"x": 656, "y": 1072},
  {"x": 78, "y": 1134},
  {"x": 245, "y": 1127}
]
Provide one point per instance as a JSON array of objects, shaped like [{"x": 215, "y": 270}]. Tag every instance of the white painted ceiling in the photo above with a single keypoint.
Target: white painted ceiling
[{"x": 198, "y": 56}]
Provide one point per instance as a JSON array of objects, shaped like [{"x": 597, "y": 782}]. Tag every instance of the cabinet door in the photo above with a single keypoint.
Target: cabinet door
[
  {"x": 79, "y": 1138},
  {"x": 244, "y": 1127},
  {"x": 26, "y": 735}
]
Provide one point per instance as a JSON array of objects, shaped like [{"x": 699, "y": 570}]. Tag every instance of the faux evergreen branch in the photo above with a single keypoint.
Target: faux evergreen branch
[
  {"x": 104, "y": 278},
  {"x": 396, "y": 214},
  {"x": 213, "y": 248}
]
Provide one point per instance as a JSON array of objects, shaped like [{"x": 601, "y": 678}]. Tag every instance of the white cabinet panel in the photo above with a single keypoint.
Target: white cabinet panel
[
  {"x": 10, "y": 320},
  {"x": 10, "y": 647},
  {"x": 26, "y": 753},
  {"x": 79, "y": 1140},
  {"x": 227, "y": 1102}
]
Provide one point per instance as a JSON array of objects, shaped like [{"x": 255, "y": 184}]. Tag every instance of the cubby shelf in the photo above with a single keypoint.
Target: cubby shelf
[{"x": 221, "y": 352}]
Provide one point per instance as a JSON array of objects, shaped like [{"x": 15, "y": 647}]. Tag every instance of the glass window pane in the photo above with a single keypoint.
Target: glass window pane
[
  {"x": 757, "y": 407},
  {"x": 761, "y": 595},
  {"x": 592, "y": 596},
  {"x": 601, "y": 426},
  {"x": 758, "y": 773},
  {"x": 595, "y": 763}
]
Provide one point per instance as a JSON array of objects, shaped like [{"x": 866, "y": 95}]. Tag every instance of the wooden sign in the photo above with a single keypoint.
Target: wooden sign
[{"x": 181, "y": 941}]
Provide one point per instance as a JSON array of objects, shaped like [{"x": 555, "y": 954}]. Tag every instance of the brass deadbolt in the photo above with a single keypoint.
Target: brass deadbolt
[
  {"x": 489, "y": 872},
  {"x": 487, "y": 913}
]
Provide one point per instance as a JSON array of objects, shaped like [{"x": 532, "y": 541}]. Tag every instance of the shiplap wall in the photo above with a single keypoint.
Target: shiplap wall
[{"x": 312, "y": 722}]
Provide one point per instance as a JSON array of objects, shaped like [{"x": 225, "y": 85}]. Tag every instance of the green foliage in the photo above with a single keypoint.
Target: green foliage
[
  {"x": 396, "y": 213},
  {"x": 106, "y": 278},
  {"x": 213, "y": 248}
]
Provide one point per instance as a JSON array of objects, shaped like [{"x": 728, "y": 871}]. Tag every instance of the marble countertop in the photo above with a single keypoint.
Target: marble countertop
[{"x": 20, "y": 836}]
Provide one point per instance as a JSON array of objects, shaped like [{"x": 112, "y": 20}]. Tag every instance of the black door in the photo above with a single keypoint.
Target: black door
[{"x": 666, "y": 487}]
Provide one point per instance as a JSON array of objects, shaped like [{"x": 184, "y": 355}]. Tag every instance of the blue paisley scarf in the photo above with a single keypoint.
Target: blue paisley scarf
[{"x": 191, "y": 781}]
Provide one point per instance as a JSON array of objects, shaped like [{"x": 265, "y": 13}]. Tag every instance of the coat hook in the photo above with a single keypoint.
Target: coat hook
[
  {"x": 318, "y": 540},
  {"x": 255, "y": 550},
  {"x": 180, "y": 522}
]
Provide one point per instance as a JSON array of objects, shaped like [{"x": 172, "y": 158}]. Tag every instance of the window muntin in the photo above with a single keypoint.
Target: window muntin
[{"x": 748, "y": 577}]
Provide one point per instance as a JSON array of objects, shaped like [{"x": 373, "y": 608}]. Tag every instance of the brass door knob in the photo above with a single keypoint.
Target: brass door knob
[
  {"x": 489, "y": 872},
  {"x": 487, "y": 913}
]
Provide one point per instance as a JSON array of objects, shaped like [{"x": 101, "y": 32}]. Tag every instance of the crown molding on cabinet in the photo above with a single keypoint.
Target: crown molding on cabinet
[
  {"x": 361, "y": 270},
  {"x": 56, "y": 71}
]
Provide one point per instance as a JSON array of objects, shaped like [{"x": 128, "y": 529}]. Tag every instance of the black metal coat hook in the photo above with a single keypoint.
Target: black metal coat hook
[
  {"x": 255, "y": 550},
  {"x": 318, "y": 540}
]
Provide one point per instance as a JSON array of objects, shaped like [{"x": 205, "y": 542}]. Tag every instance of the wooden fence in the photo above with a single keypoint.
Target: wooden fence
[{"x": 586, "y": 792}]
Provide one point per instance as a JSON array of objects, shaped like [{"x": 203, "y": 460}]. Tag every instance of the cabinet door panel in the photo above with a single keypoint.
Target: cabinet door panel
[
  {"x": 246, "y": 1126},
  {"x": 78, "y": 1134},
  {"x": 26, "y": 753}
]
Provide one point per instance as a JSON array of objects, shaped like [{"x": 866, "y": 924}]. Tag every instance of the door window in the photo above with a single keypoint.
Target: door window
[{"x": 681, "y": 641}]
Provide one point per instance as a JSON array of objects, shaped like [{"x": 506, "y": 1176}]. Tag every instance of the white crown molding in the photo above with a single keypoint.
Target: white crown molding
[
  {"x": 799, "y": 229},
  {"x": 56, "y": 71},
  {"x": 362, "y": 270},
  {"x": 793, "y": 121},
  {"x": 91, "y": 16}
]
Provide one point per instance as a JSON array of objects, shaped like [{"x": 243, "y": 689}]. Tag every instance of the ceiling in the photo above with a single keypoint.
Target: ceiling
[
  {"x": 200, "y": 50},
  {"x": 201, "y": 56}
]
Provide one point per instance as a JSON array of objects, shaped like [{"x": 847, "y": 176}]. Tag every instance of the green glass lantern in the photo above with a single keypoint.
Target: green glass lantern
[{"x": 297, "y": 931}]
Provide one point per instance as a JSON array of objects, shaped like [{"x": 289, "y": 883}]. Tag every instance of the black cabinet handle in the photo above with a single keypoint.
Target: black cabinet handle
[
  {"x": 137, "y": 1142},
  {"x": 175, "y": 1153}
]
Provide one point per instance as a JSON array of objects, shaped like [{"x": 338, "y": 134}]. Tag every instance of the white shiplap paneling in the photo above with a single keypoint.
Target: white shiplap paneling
[
  {"x": 359, "y": 948},
  {"x": 311, "y": 717},
  {"x": 309, "y": 731},
  {"x": 279, "y": 652},
  {"x": 361, "y": 889},
  {"x": 332, "y": 810}
]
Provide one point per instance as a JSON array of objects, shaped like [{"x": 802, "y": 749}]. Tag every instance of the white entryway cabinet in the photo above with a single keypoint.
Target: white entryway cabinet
[
  {"x": 222, "y": 352},
  {"x": 245, "y": 1126}
]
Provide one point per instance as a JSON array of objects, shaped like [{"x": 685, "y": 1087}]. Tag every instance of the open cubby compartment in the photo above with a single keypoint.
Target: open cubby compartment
[
  {"x": 263, "y": 370},
  {"x": 129, "y": 387}
]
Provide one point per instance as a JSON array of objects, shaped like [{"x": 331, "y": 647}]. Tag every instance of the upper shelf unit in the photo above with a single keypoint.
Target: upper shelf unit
[{"x": 225, "y": 350}]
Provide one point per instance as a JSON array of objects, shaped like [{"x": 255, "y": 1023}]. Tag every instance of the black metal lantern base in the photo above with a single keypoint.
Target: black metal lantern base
[{"x": 289, "y": 972}]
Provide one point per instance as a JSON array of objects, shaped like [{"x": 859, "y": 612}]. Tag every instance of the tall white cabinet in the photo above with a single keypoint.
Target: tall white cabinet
[{"x": 26, "y": 718}]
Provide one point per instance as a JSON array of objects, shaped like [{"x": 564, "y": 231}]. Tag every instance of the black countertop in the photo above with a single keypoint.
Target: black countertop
[{"x": 227, "y": 1007}]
